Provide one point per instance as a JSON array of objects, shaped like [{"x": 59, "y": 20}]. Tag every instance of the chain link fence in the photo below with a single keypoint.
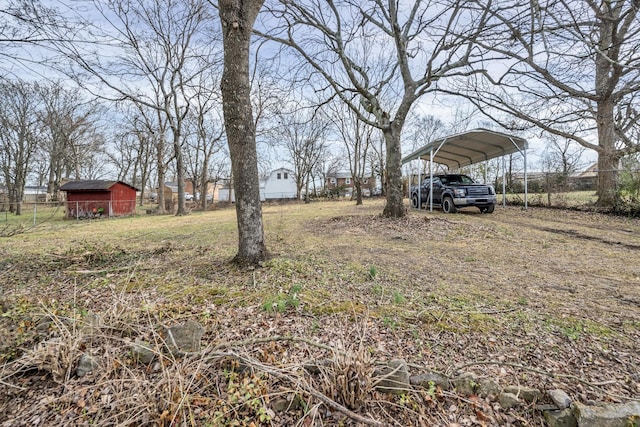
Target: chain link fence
[
  {"x": 575, "y": 190},
  {"x": 33, "y": 213}
]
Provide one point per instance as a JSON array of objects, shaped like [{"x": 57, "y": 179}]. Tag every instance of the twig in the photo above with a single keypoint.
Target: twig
[
  {"x": 107, "y": 270},
  {"x": 13, "y": 385},
  {"x": 275, "y": 338},
  {"x": 496, "y": 311}
]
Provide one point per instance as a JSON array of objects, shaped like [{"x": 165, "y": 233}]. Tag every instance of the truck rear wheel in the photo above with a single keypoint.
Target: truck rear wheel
[
  {"x": 448, "y": 206},
  {"x": 415, "y": 202}
]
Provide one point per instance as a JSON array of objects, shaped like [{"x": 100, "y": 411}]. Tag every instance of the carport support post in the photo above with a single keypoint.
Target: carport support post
[
  {"x": 526, "y": 187},
  {"x": 526, "y": 178},
  {"x": 504, "y": 183},
  {"x": 431, "y": 180},
  {"x": 408, "y": 172},
  {"x": 419, "y": 186}
]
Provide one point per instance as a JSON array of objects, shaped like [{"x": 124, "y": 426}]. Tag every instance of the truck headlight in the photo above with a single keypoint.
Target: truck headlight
[{"x": 459, "y": 192}]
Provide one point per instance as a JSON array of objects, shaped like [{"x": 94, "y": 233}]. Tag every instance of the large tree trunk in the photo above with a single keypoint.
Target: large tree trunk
[
  {"x": 606, "y": 76},
  {"x": 299, "y": 185},
  {"x": 394, "y": 207},
  {"x": 358, "y": 186},
  {"x": 237, "y": 17},
  {"x": 182, "y": 209},
  {"x": 608, "y": 156},
  {"x": 161, "y": 175},
  {"x": 19, "y": 196},
  {"x": 204, "y": 183}
]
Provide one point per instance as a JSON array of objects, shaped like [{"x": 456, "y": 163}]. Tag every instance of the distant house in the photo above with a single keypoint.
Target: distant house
[
  {"x": 170, "y": 194},
  {"x": 92, "y": 198},
  {"x": 31, "y": 194},
  {"x": 343, "y": 181},
  {"x": 35, "y": 194},
  {"x": 587, "y": 179},
  {"x": 279, "y": 184},
  {"x": 211, "y": 192}
]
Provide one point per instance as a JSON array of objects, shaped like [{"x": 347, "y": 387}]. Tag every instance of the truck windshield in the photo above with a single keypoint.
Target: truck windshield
[{"x": 460, "y": 179}]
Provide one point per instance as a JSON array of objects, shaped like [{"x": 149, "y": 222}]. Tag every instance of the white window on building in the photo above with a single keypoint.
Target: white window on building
[
  {"x": 332, "y": 180},
  {"x": 347, "y": 181},
  {"x": 286, "y": 175},
  {"x": 279, "y": 176}
]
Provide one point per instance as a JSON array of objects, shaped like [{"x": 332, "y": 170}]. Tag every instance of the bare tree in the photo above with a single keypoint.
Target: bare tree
[
  {"x": 420, "y": 131},
  {"x": 206, "y": 136},
  {"x": 162, "y": 47},
  {"x": 302, "y": 134},
  {"x": 379, "y": 58},
  {"x": 150, "y": 127},
  {"x": 356, "y": 138},
  {"x": 562, "y": 155},
  {"x": 132, "y": 151},
  {"x": 377, "y": 161},
  {"x": 89, "y": 156},
  {"x": 237, "y": 18},
  {"x": 559, "y": 160},
  {"x": 70, "y": 143},
  {"x": 123, "y": 155},
  {"x": 219, "y": 169},
  {"x": 570, "y": 68},
  {"x": 27, "y": 29},
  {"x": 19, "y": 133}
]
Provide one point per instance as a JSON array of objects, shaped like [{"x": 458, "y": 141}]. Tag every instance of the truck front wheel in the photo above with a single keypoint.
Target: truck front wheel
[
  {"x": 488, "y": 209},
  {"x": 448, "y": 206}
]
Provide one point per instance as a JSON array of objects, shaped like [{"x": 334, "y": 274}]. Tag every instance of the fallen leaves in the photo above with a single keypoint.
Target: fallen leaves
[{"x": 448, "y": 290}]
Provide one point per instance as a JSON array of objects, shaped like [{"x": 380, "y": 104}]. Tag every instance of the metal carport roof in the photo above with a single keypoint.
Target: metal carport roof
[
  {"x": 474, "y": 146},
  {"x": 466, "y": 148}
]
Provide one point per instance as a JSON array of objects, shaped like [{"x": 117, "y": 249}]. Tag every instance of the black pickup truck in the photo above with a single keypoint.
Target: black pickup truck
[{"x": 454, "y": 191}]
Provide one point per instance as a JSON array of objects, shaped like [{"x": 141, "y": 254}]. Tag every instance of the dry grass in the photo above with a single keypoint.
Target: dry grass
[
  {"x": 547, "y": 298},
  {"x": 560, "y": 199}
]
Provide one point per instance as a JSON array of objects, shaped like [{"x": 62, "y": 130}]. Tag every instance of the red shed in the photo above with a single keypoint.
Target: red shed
[{"x": 95, "y": 198}]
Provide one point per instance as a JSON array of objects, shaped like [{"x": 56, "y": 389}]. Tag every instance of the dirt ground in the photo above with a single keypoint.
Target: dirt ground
[{"x": 545, "y": 298}]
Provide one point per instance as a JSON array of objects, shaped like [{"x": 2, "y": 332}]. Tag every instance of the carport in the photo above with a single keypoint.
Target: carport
[{"x": 467, "y": 148}]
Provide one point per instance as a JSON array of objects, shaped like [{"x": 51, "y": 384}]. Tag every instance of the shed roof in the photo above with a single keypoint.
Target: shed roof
[
  {"x": 466, "y": 148},
  {"x": 92, "y": 185}
]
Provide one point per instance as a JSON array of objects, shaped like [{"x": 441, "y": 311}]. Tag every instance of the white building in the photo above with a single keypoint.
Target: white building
[
  {"x": 35, "y": 194},
  {"x": 279, "y": 184},
  {"x": 226, "y": 195}
]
